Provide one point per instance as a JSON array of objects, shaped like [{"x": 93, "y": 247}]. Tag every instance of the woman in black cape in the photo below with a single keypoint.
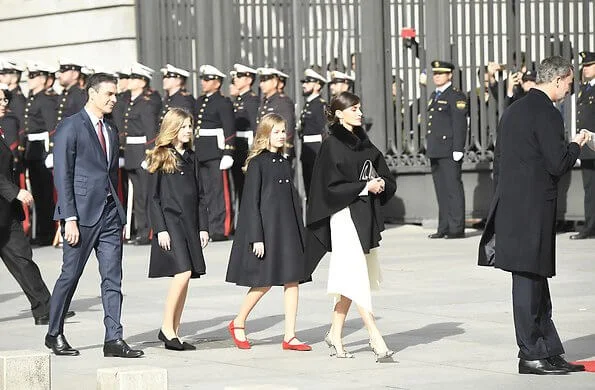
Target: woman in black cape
[
  {"x": 349, "y": 184},
  {"x": 268, "y": 247}
]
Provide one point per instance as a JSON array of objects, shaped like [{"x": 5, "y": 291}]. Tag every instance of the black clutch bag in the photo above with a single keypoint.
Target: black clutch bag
[{"x": 368, "y": 172}]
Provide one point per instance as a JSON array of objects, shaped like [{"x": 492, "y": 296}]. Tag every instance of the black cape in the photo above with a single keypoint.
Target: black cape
[
  {"x": 336, "y": 185},
  {"x": 270, "y": 213}
]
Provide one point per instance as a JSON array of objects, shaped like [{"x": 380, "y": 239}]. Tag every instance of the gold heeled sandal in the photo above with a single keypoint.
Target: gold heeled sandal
[{"x": 334, "y": 350}]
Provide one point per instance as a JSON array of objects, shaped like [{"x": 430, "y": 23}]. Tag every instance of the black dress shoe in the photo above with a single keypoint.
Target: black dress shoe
[
  {"x": 559, "y": 362},
  {"x": 45, "y": 319},
  {"x": 174, "y": 344},
  {"x": 437, "y": 235},
  {"x": 450, "y": 236},
  {"x": 119, "y": 348},
  {"x": 60, "y": 346},
  {"x": 539, "y": 367},
  {"x": 580, "y": 236}
]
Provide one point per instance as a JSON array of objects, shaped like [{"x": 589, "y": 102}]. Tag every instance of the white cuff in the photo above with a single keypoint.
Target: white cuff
[
  {"x": 364, "y": 192},
  {"x": 71, "y": 219},
  {"x": 226, "y": 162},
  {"x": 457, "y": 156}
]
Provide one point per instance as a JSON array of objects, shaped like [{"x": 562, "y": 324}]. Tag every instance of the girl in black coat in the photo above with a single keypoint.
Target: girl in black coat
[
  {"x": 268, "y": 248},
  {"x": 178, "y": 217},
  {"x": 350, "y": 181}
]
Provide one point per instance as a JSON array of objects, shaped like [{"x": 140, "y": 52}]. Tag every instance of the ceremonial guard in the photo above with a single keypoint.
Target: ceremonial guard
[
  {"x": 447, "y": 129},
  {"x": 39, "y": 120},
  {"x": 245, "y": 108},
  {"x": 10, "y": 74},
  {"x": 215, "y": 141},
  {"x": 340, "y": 82},
  {"x": 73, "y": 98},
  {"x": 176, "y": 95},
  {"x": 275, "y": 102},
  {"x": 141, "y": 120},
  {"x": 9, "y": 125},
  {"x": 313, "y": 122}
]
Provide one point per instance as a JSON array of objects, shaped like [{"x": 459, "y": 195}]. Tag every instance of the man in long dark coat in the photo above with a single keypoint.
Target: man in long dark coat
[{"x": 531, "y": 155}]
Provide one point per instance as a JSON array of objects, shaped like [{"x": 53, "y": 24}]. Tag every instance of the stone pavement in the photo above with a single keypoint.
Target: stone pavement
[{"x": 449, "y": 321}]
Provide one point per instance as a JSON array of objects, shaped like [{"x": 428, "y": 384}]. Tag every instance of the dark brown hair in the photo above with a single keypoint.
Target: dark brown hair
[{"x": 340, "y": 102}]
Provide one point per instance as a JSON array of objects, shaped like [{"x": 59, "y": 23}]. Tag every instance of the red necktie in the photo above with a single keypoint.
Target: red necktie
[{"x": 101, "y": 137}]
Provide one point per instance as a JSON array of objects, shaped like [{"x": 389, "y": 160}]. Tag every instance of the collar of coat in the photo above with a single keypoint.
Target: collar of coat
[{"x": 356, "y": 140}]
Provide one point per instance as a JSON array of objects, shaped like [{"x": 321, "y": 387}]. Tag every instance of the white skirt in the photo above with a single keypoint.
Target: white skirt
[{"x": 352, "y": 273}]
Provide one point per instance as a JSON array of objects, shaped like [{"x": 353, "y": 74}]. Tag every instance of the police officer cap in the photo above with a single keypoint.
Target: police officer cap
[
  {"x": 310, "y": 75},
  {"x": 124, "y": 73},
  {"x": 267, "y": 73},
  {"x": 209, "y": 72},
  {"x": 588, "y": 57},
  {"x": 442, "y": 67},
  {"x": 88, "y": 70},
  {"x": 102, "y": 70},
  {"x": 68, "y": 64},
  {"x": 7, "y": 66},
  {"x": 171, "y": 71},
  {"x": 140, "y": 71},
  {"x": 529, "y": 76},
  {"x": 282, "y": 76},
  {"x": 339, "y": 77},
  {"x": 240, "y": 70},
  {"x": 39, "y": 69}
]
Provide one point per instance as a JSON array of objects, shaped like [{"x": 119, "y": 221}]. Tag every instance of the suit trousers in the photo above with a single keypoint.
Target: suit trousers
[
  {"x": 42, "y": 189},
  {"x": 140, "y": 183},
  {"x": 536, "y": 334},
  {"x": 446, "y": 174},
  {"x": 106, "y": 238},
  {"x": 588, "y": 173},
  {"x": 16, "y": 253},
  {"x": 217, "y": 194}
]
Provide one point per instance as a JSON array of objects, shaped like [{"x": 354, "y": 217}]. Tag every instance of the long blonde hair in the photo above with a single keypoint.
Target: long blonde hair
[
  {"x": 263, "y": 135},
  {"x": 162, "y": 157}
]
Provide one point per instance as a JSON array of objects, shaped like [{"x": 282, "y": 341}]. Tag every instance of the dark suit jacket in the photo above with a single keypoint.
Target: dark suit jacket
[
  {"x": 531, "y": 155},
  {"x": 10, "y": 207},
  {"x": 82, "y": 176}
]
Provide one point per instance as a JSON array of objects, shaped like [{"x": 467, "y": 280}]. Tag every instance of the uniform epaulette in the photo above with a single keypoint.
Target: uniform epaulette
[
  {"x": 185, "y": 93},
  {"x": 50, "y": 92},
  {"x": 322, "y": 100},
  {"x": 252, "y": 93}
]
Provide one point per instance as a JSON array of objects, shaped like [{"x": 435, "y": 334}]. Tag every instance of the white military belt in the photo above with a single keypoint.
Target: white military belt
[
  {"x": 214, "y": 133},
  {"x": 313, "y": 138},
  {"x": 45, "y": 137},
  {"x": 248, "y": 134},
  {"x": 136, "y": 140}
]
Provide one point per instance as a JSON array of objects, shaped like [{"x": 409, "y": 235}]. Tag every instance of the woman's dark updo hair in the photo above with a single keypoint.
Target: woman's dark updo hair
[{"x": 340, "y": 102}]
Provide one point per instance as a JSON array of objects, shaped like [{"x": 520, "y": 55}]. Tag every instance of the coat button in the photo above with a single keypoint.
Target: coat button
[
  {"x": 181, "y": 173},
  {"x": 280, "y": 181},
  {"x": 443, "y": 137},
  {"x": 286, "y": 180},
  {"x": 274, "y": 160},
  {"x": 429, "y": 131}
]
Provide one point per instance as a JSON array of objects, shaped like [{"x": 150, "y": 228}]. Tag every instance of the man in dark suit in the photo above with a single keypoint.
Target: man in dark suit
[
  {"x": 90, "y": 214},
  {"x": 447, "y": 130},
  {"x": 15, "y": 249},
  {"x": 530, "y": 157},
  {"x": 585, "y": 119}
]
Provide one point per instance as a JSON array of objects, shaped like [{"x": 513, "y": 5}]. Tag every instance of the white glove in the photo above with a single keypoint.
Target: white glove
[
  {"x": 577, "y": 163},
  {"x": 591, "y": 142},
  {"x": 226, "y": 162},
  {"x": 457, "y": 156},
  {"x": 49, "y": 161},
  {"x": 144, "y": 165},
  {"x": 120, "y": 162}
]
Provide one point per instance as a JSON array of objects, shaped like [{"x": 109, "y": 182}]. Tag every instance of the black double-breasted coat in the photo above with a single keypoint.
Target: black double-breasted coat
[
  {"x": 336, "y": 185},
  {"x": 531, "y": 155},
  {"x": 10, "y": 208},
  {"x": 177, "y": 205},
  {"x": 270, "y": 213}
]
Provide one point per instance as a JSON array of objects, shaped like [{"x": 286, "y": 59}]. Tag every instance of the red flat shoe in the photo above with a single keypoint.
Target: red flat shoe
[
  {"x": 240, "y": 344},
  {"x": 295, "y": 347}
]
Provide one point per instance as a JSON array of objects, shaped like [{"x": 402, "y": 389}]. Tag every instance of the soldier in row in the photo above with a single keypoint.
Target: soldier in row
[
  {"x": 175, "y": 93},
  {"x": 10, "y": 74},
  {"x": 340, "y": 82}
]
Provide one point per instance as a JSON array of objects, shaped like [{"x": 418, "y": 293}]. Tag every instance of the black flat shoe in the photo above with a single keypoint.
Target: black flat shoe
[
  {"x": 559, "y": 362},
  {"x": 60, "y": 346},
  {"x": 45, "y": 319},
  {"x": 437, "y": 235},
  {"x": 119, "y": 348},
  {"x": 539, "y": 367},
  {"x": 188, "y": 346},
  {"x": 174, "y": 344}
]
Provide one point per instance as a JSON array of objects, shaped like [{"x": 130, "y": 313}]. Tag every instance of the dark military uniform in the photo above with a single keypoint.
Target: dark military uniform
[
  {"x": 17, "y": 105},
  {"x": 313, "y": 128},
  {"x": 447, "y": 129},
  {"x": 9, "y": 125},
  {"x": 180, "y": 99},
  {"x": 585, "y": 119},
  {"x": 245, "y": 108},
  {"x": 281, "y": 104},
  {"x": 71, "y": 101},
  {"x": 40, "y": 119},
  {"x": 215, "y": 132},
  {"x": 140, "y": 122}
]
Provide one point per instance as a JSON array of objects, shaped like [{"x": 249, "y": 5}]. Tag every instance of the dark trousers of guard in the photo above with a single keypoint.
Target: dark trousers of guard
[
  {"x": 16, "y": 254},
  {"x": 140, "y": 181},
  {"x": 106, "y": 238},
  {"x": 588, "y": 173},
  {"x": 536, "y": 334},
  {"x": 309, "y": 152},
  {"x": 42, "y": 189},
  {"x": 450, "y": 193},
  {"x": 239, "y": 159},
  {"x": 217, "y": 193}
]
